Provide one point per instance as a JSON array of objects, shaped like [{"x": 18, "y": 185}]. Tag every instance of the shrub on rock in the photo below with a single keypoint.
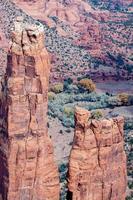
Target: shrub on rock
[
  {"x": 97, "y": 114},
  {"x": 68, "y": 111}
]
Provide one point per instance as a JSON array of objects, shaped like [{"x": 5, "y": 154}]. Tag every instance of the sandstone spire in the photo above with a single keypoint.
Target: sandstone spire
[
  {"x": 97, "y": 168},
  {"x": 27, "y": 167}
]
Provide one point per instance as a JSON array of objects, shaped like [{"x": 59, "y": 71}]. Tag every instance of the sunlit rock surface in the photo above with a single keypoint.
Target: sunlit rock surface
[
  {"x": 27, "y": 167},
  {"x": 97, "y": 167}
]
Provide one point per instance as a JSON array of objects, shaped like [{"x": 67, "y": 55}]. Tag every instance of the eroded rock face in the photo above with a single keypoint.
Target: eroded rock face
[
  {"x": 27, "y": 167},
  {"x": 42, "y": 9},
  {"x": 97, "y": 168}
]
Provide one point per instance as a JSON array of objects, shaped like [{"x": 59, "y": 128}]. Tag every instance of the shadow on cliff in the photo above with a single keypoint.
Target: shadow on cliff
[
  {"x": 69, "y": 195},
  {"x": 4, "y": 141}
]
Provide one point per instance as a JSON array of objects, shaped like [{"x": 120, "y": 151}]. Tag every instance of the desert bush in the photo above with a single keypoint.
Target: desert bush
[
  {"x": 63, "y": 170},
  {"x": 63, "y": 173},
  {"x": 68, "y": 122},
  {"x": 130, "y": 99},
  {"x": 128, "y": 124},
  {"x": 87, "y": 84},
  {"x": 61, "y": 131},
  {"x": 91, "y": 97},
  {"x": 108, "y": 94},
  {"x": 68, "y": 111},
  {"x": 86, "y": 97},
  {"x": 129, "y": 198},
  {"x": 130, "y": 184},
  {"x": 97, "y": 114},
  {"x": 113, "y": 101},
  {"x": 83, "y": 77},
  {"x": 56, "y": 107},
  {"x": 95, "y": 2},
  {"x": 123, "y": 97},
  {"x": 68, "y": 130},
  {"x": 71, "y": 88},
  {"x": 57, "y": 88},
  {"x": 62, "y": 167},
  {"x": 67, "y": 82},
  {"x": 51, "y": 96}
]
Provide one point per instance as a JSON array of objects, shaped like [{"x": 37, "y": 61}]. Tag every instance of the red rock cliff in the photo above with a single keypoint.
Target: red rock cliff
[
  {"x": 27, "y": 167},
  {"x": 97, "y": 168}
]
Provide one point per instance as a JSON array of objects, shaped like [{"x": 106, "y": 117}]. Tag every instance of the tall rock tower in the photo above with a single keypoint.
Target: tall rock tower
[
  {"x": 97, "y": 168},
  {"x": 27, "y": 167}
]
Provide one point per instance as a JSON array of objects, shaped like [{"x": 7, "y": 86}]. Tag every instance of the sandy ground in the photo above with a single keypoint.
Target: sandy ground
[
  {"x": 126, "y": 111},
  {"x": 63, "y": 141},
  {"x": 115, "y": 87}
]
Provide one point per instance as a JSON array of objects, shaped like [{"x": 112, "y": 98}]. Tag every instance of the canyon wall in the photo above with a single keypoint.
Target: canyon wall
[
  {"x": 97, "y": 168},
  {"x": 76, "y": 33},
  {"x": 27, "y": 167}
]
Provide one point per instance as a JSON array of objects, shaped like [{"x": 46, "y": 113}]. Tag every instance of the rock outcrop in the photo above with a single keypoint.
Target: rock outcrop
[
  {"x": 44, "y": 9},
  {"x": 97, "y": 168},
  {"x": 27, "y": 167}
]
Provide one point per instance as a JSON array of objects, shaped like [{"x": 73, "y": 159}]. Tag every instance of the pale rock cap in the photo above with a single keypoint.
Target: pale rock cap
[{"x": 82, "y": 115}]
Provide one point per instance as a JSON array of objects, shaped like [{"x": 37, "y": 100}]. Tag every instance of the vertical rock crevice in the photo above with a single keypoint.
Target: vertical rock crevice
[
  {"x": 4, "y": 175},
  {"x": 29, "y": 171},
  {"x": 97, "y": 165}
]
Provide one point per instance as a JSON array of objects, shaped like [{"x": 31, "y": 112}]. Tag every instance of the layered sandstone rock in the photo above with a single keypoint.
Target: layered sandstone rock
[
  {"x": 27, "y": 167},
  {"x": 97, "y": 168},
  {"x": 43, "y": 9}
]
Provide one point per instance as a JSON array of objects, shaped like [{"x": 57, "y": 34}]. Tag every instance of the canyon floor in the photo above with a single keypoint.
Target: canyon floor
[
  {"x": 61, "y": 124},
  {"x": 63, "y": 140}
]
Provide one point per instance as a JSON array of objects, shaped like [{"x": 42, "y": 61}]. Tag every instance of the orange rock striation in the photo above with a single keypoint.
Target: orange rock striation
[
  {"x": 97, "y": 168},
  {"x": 27, "y": 167}
]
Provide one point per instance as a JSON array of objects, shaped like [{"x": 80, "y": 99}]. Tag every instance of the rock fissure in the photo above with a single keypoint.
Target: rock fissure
[
  {"x": 36, "y": 166},
  {"x": 98, "y": 148},
  {"x": 110, "y": 195}
]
